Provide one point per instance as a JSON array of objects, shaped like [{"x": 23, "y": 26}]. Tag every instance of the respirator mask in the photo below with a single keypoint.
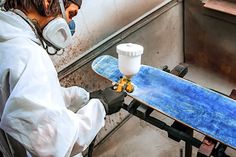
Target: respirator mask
[{"x": 57, "y": 32}]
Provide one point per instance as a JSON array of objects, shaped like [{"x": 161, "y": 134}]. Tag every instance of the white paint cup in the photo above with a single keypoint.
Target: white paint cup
[{"x": 129, "y": 58}]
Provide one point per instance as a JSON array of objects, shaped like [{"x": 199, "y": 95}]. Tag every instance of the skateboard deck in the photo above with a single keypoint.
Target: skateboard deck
[{"x": 190, "y": 104}]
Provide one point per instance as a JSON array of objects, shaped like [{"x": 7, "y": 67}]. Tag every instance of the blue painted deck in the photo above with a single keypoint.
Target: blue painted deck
[{"x": 204, "y": 110}]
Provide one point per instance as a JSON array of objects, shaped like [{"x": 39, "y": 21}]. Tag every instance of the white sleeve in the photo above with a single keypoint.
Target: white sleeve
[
  {"x": 75, "y": 97},
  {"x": 35, "y": 113}
]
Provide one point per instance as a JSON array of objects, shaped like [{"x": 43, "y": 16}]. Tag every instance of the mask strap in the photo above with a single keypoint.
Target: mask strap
[
  {"x": 63, "y": 11},
  {"x": 55, "y": 52}
]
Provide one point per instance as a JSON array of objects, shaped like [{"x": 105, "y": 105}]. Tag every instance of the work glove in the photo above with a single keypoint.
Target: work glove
[{"x": 112, "y": 100}]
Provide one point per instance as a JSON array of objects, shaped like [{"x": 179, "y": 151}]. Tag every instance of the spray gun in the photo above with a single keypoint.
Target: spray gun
[{"x": 129, "y": 62}]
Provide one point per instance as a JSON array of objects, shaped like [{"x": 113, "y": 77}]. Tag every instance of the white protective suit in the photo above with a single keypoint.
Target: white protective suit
[{"x": 33, "y": 105}]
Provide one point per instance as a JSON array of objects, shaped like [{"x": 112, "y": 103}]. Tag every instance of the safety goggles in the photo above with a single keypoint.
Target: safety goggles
[{"x": 77, "y": 2}]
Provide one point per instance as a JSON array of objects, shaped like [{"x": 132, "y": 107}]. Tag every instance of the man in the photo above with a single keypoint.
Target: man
[{"x": 35, "y": 119}]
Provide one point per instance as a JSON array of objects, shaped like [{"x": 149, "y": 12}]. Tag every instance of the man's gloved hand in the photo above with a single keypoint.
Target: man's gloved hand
[{"x": 111, "y": 99}]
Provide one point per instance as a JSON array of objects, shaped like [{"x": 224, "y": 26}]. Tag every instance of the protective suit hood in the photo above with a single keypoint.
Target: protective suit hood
[{"x": 13, "y": 26}]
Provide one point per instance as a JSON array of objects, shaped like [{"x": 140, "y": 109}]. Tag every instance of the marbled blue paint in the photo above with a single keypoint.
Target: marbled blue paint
[{"x": 204, "y": 110}]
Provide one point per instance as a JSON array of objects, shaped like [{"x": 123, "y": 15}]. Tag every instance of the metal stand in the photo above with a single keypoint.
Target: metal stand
[
  {"x": 175, "y": 132},
  {"x": 188, "y": 131}
]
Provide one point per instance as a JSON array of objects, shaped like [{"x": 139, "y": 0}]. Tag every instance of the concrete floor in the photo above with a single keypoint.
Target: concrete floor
[{"x": 136, "y": 138}]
